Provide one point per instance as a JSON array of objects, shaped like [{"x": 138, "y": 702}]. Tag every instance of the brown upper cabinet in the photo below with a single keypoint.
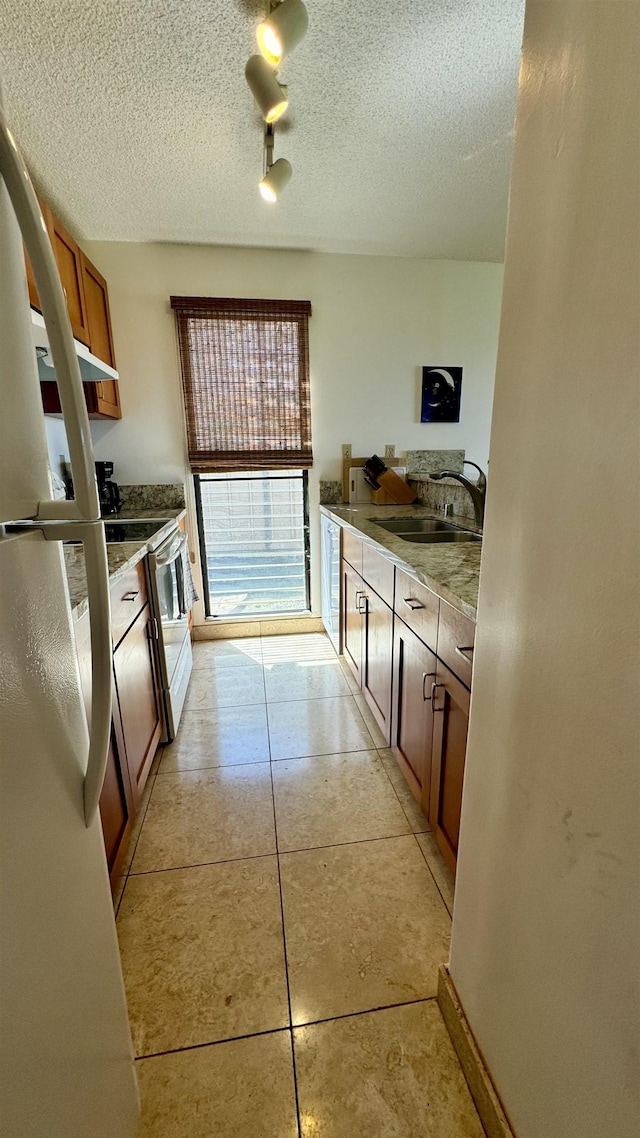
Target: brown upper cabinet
[
  {"x": 87, "y": 299},
  {"x": 68, "y": 259}
]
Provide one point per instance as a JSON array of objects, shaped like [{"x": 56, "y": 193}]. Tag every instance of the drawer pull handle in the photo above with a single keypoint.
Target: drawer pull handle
[
  {"x": 412, "y": 603},
  {"x": 434, "y": 688},
  {"x": 425, "y": 697},
  {"x": 131, "y": 596},
  {"x": 463, "y": 652}
]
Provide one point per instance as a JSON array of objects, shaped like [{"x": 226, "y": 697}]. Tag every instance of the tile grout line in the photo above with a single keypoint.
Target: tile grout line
[
  {"x": 142, "y": 821},
  {"x": 444, "y": 901},
  {"x": 279, "y": 1030},
  {"x": 274, "y": 853},
  {"x": 284, "y": 935},
  {"x": 378, "y": 750}
]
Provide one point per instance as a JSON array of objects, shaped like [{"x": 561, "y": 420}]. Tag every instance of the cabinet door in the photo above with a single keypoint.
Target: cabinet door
[
  {"x": 135, "y": 672},
  {"x": 102, "y": 398},
  {"x": 116, "y": 800},
  {"x": 116, "y": 805},
  {"x": 67, "y": 256},
  {"x": 450, "y": 727},
  {"x": 352, "y": 618},
  {"x": 414, "y": 673},
  {"x": 376, "y": 659}
]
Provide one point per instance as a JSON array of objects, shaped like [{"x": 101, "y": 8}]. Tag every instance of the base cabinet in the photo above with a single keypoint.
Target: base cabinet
[
  {"x": 411, "y": 654},
  {"x": 135, "y": 725},
  {"x": 376, "y": 658},
  {"x": 116, "y": 804},
  {"x": 450, "y": 728},
  {"x": 414, "y": 673},
  {"x": 137, "y": 693},
  {"x": 367, "y": 643},
  {"x": 352, "y": 619}
]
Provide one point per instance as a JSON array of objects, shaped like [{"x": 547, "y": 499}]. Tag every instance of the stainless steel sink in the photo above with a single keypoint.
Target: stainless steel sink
[
  {"x": 428, "y": 538},
  {"x": 425, "y": 530}
]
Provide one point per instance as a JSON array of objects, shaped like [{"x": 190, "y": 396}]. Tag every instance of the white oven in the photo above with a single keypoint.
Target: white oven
[{"x": 166, "y": 572}]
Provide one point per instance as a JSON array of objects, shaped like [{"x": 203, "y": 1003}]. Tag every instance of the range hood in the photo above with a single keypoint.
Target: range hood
[{"x": 92, "y": 370}]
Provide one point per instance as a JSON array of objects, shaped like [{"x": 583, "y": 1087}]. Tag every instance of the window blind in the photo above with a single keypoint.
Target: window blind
[{"x": 245, "y": 376}]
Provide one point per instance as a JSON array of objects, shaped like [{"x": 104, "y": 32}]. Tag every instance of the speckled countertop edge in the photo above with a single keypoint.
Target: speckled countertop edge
[
  {"x": 451, "y": 571},
  {"x": 121, "y": 555}
]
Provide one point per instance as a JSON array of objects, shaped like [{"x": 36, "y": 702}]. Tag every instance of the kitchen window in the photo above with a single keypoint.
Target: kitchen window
[{"x": 245, "y": 378}]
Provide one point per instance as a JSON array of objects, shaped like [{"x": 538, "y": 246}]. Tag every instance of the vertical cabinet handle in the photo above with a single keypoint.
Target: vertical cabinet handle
[
  {"x": 434, "y": 689},
  {"x": 361, "y": 604},
  {"x": 425, "y": 676}
]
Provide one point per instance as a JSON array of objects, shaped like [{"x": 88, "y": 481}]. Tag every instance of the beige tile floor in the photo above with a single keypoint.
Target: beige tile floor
[{"x": 283, "y": 914}]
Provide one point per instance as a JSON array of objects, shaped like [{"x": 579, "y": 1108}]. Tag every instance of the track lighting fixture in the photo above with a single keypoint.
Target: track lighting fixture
[
  {"x": 282, "y": 30},
  {"x": 270, "y": 96},
  {"x": 276, "y": 174}
]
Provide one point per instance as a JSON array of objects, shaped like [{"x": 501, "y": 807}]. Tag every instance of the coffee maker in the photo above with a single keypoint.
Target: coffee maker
[{"x": 109, "y": 492}]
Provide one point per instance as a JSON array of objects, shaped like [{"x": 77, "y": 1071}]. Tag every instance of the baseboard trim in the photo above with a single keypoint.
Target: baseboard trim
[
  {"x": 277, "y": 626},
  {"x": 483, "y": 1092}
]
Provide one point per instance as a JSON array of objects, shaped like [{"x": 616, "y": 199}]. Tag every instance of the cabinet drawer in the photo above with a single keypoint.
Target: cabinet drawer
[
  {"x": 128, "y": 596},
  {"x": 418, "y": 607},
  {"x": 456, "y": 636},
  {"x": 352, "y": 550},
  {"x": 378, "y": 572}
]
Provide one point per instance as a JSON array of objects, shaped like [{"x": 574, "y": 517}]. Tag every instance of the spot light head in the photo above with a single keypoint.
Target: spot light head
[
  {"x": 282, "y": 30},
  {"x": 270, "y": 96},
  {"x": 275, "y": 180}
]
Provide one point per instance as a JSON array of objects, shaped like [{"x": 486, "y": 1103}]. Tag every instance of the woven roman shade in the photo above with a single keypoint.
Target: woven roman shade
[{"x": 245, "y": 375}]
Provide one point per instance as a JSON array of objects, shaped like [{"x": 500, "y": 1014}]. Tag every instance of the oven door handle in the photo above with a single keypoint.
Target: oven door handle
[{"x": 174, "y": 550}]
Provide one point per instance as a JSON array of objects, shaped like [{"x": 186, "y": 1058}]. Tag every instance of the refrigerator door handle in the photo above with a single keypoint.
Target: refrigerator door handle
[
  {"x": 86, "y": 506},
  {"x": 91, "y": 534},
  {"x": 95, "y": 553}
]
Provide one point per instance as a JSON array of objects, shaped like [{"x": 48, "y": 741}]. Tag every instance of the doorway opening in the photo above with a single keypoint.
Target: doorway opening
[{"x": 254, "y": 543}]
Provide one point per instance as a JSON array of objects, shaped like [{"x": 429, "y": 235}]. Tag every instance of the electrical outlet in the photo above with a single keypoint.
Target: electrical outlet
[
  {"x": 346, "y": 450},
  {"x": 390, "y": 450}
]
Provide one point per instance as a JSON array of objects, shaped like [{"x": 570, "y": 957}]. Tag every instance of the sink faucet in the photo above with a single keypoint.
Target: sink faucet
[{"x": 477, "y": 490}]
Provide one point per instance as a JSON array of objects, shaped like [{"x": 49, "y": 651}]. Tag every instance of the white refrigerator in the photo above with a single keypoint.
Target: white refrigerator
[{"x": 66, "y": 1059}]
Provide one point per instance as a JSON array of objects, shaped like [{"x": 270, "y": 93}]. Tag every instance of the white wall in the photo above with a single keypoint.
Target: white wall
[
  {"x": 57, "y": 444},
  {"x": 545, "y": 952},
  {"x": 375, "y": 322}
]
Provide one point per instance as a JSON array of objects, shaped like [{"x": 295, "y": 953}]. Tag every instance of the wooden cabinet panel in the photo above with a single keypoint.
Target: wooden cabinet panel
[
  {"x": 414, "y": 673},
  {"x": 67, "y": 255},
  {"x": 352, "y": 550},
  {"x": 450, "y": 728},
  {"x": 128, "y": 597},
  {"x": 88, "y": 307},
  {"x": 418, "y": 607},
  {"x": 116, "y": 800},
  {"x": 116, "y": 806},
  {"x": 378, "y": 572},
  {"x": 377, "y": 656},
  {"x": 102, "y": 398},
  {"x": 352, "y": 619},
  {"x": 456, "y": 637},
  {"x": 135, "y": 672}
]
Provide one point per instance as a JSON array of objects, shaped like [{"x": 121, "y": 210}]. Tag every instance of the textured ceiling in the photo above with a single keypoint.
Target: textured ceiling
[{"x": 138, "y": 125}]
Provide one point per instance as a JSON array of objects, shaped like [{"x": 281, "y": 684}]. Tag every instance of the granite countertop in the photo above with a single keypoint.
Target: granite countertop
[
  {"x": 121, "y": 555},
  {"x": 450, "y": 570}
]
